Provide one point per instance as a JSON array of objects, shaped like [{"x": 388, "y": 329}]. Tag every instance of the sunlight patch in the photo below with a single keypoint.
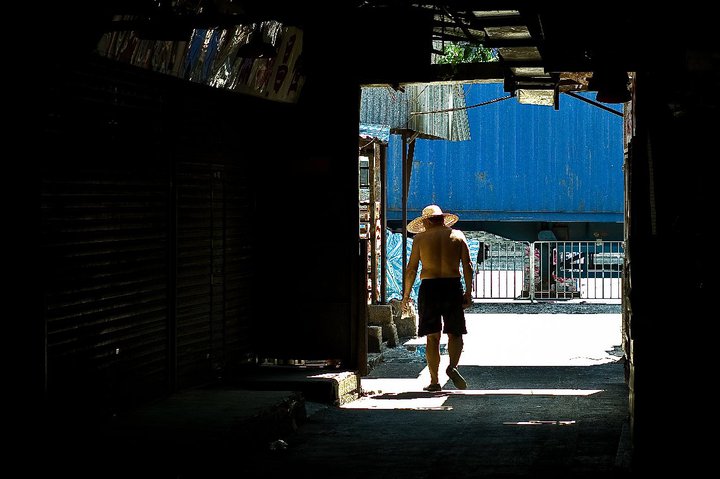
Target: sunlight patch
[
  {"x": 536, "y": 422},
  {"x": 435, "y": 401}
]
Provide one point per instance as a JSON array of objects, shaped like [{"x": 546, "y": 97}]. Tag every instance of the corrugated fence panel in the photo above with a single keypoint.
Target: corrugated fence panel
[
  {"x": 146, "y": 246},
  {"x": 215, "y": 201},
  {"x": 105, "y": 195},
  {"x": 432, "y": 101},
  {"x": 421, "y": 107},
  {"x": 106, "y": 271},
  {"x": 238, "y": 274},
  {"x": 195, "y": 290},
  {"x": 214, "y": 271}
]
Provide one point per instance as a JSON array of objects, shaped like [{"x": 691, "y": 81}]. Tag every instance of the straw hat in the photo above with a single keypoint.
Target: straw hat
[{"x": 417, "y": 225}]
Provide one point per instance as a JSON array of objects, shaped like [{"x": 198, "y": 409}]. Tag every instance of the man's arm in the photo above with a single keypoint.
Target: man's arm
[
  {"x": 467, "y": 272},
  {"x": 410, "y": 273}
]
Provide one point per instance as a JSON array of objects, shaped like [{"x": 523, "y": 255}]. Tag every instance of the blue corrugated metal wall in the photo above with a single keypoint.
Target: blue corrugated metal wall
[{"x": 523, "y": 163}]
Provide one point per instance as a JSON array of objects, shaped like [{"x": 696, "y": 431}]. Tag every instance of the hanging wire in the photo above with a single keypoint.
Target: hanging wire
[{"x": 462, "y": 107}]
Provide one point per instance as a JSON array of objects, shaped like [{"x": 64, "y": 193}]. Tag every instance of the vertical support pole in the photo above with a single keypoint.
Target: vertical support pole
[{"x": 405, "y": 175}]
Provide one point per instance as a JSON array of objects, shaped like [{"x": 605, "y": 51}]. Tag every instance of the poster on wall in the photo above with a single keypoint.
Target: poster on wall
[{"x": 214, "y": 57}]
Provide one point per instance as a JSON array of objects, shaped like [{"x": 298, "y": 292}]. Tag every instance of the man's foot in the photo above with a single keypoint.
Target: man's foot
[
  {"x": 457, "y": 380},
  {"x": 433, "y": 388}
]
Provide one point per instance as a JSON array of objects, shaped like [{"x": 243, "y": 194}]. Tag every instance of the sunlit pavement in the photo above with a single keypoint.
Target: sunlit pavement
[
  {"x": 546, "y": 397},
  {"x": 541, "y": 339},
  {"x": 505, "y": 340}
]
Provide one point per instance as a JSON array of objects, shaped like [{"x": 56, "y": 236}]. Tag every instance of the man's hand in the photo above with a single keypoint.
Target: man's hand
[{"x": 467, "y": 299}]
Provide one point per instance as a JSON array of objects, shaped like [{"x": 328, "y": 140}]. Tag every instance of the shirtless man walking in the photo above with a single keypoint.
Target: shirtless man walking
[{"x": 441, "y": 300}]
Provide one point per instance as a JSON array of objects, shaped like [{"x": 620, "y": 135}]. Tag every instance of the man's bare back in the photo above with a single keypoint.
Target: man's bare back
[{"x": 440, "y": 249}]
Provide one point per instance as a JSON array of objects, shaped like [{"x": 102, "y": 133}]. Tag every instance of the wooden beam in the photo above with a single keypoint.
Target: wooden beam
[{"x": 491, "y": 71}]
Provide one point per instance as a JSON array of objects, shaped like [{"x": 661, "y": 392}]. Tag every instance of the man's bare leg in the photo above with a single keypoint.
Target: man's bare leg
[
  {"x": 432, "y": 355},
  {"x": 455, "y": 347}
]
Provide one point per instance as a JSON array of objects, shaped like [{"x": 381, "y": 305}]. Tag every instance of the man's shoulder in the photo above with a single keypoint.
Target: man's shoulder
[{"x": 420, "y": 237}]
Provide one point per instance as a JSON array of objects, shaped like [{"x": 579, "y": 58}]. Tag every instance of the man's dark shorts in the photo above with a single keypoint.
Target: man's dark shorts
[{"x": 440, "y": 306}]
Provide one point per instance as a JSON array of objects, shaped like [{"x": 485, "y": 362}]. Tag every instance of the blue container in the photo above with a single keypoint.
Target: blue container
[{"x": 523, "y": 163}]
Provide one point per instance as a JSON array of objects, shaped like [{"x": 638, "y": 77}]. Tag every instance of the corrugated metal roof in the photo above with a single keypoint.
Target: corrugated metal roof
[{"x": 435, "y": 110}]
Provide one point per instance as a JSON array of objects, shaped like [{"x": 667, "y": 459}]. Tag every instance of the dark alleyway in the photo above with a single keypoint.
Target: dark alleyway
[{"x": 564, "y": 416}]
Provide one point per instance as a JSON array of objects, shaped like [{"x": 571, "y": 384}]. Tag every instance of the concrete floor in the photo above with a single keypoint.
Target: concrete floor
[{"x": 546, "y": 398}]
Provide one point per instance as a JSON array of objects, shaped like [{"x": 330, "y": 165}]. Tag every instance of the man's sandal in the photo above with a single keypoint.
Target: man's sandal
[
  {"x": 457, "y": 380},
  {"x": 433, "y": 388}
]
